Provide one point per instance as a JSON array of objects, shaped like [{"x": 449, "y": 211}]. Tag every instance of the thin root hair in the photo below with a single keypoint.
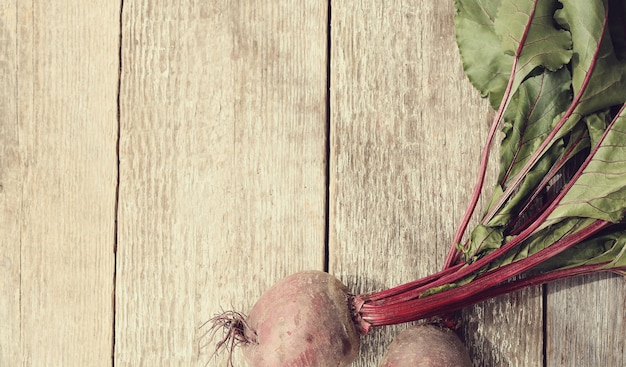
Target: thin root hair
[{"x": 235, "y": 332}]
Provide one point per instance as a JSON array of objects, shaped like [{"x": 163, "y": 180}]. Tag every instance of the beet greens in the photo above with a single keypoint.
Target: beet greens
[{"x": 555, "y": 71}]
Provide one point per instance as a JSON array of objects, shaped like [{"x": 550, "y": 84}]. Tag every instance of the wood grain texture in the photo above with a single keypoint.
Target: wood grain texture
[
  {"x": 11, "y": 171},
  {"x": 222, "y": 154},
  {"x": 58, "y": 173},
  {"x": 585, "y": 321},
  {"x": 407, "y": 130},
  {"x": 222, "y": 188},
  {"x": 506, "y": 331}
]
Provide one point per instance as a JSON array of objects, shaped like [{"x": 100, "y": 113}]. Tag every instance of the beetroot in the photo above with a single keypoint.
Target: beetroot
[
  {"x": 426, "y": 346},
  {"x": 302, "y": 321}
]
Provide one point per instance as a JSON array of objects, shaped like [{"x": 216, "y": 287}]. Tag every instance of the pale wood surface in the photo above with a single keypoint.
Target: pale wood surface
[
  {"x": 58, "y": 131},
  {"x": 10, "y": 193},
  {"x": 223, "y": 151},
  {"x": 222, "y": 166},
  {"x": 585, "y": 321}
]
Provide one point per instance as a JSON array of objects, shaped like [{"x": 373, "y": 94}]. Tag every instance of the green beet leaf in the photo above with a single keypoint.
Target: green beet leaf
[
  {"x": 493, "y": 35},
  {"x": 598, "y": 67},
  {"x": 600, "y": 191},
  {"x": 563, "y": 152}
]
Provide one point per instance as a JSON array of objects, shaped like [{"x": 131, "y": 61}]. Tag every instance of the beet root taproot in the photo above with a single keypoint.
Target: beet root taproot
[
  {"x": 426, "y": 346},
  {"x": 302, "y": 321}
]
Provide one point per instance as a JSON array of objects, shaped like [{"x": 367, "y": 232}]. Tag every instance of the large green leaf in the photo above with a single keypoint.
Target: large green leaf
[
  {"x": 608, "y": 248},
  {"x": 544, "y": 45},
  {"x": 596, "y": 124},
  {"x": 489, "y": 34},
  {"x": 542, "y": 240},
  {"x": 483, "y": 240},
  {"x": 541, "y": 134},
  {"x": 530, "y": 118},
  {"x": 600, "y": 191},
  {"x": 586, "y": 21},
  {"x": 599, "y": 77},
  {"x": 506, "y": 212},
  {"x": 485, "y": 64}
]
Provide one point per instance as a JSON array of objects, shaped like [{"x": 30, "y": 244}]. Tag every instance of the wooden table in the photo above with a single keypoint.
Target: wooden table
[{"x": 162, "y": 160}]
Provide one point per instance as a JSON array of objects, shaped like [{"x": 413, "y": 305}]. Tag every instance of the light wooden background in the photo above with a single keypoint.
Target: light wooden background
[{"x": 163, "y": 160}]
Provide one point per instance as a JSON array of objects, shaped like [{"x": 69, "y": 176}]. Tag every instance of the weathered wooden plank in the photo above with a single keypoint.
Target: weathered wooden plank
[
  {"x": 10, "y": 191},
  {"x": 406, "y": 134},
  {"x": 506, "y": 331},
  {"x": 223, "y": 143},
  {"x": 59, "y": 72},
  {"x": 585, "y": 322}
]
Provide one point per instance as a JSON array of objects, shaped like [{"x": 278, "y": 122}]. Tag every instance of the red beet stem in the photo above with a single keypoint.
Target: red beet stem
[
  {"x": 402, "y": 289},
  {"x": 485, "y": 286}
]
